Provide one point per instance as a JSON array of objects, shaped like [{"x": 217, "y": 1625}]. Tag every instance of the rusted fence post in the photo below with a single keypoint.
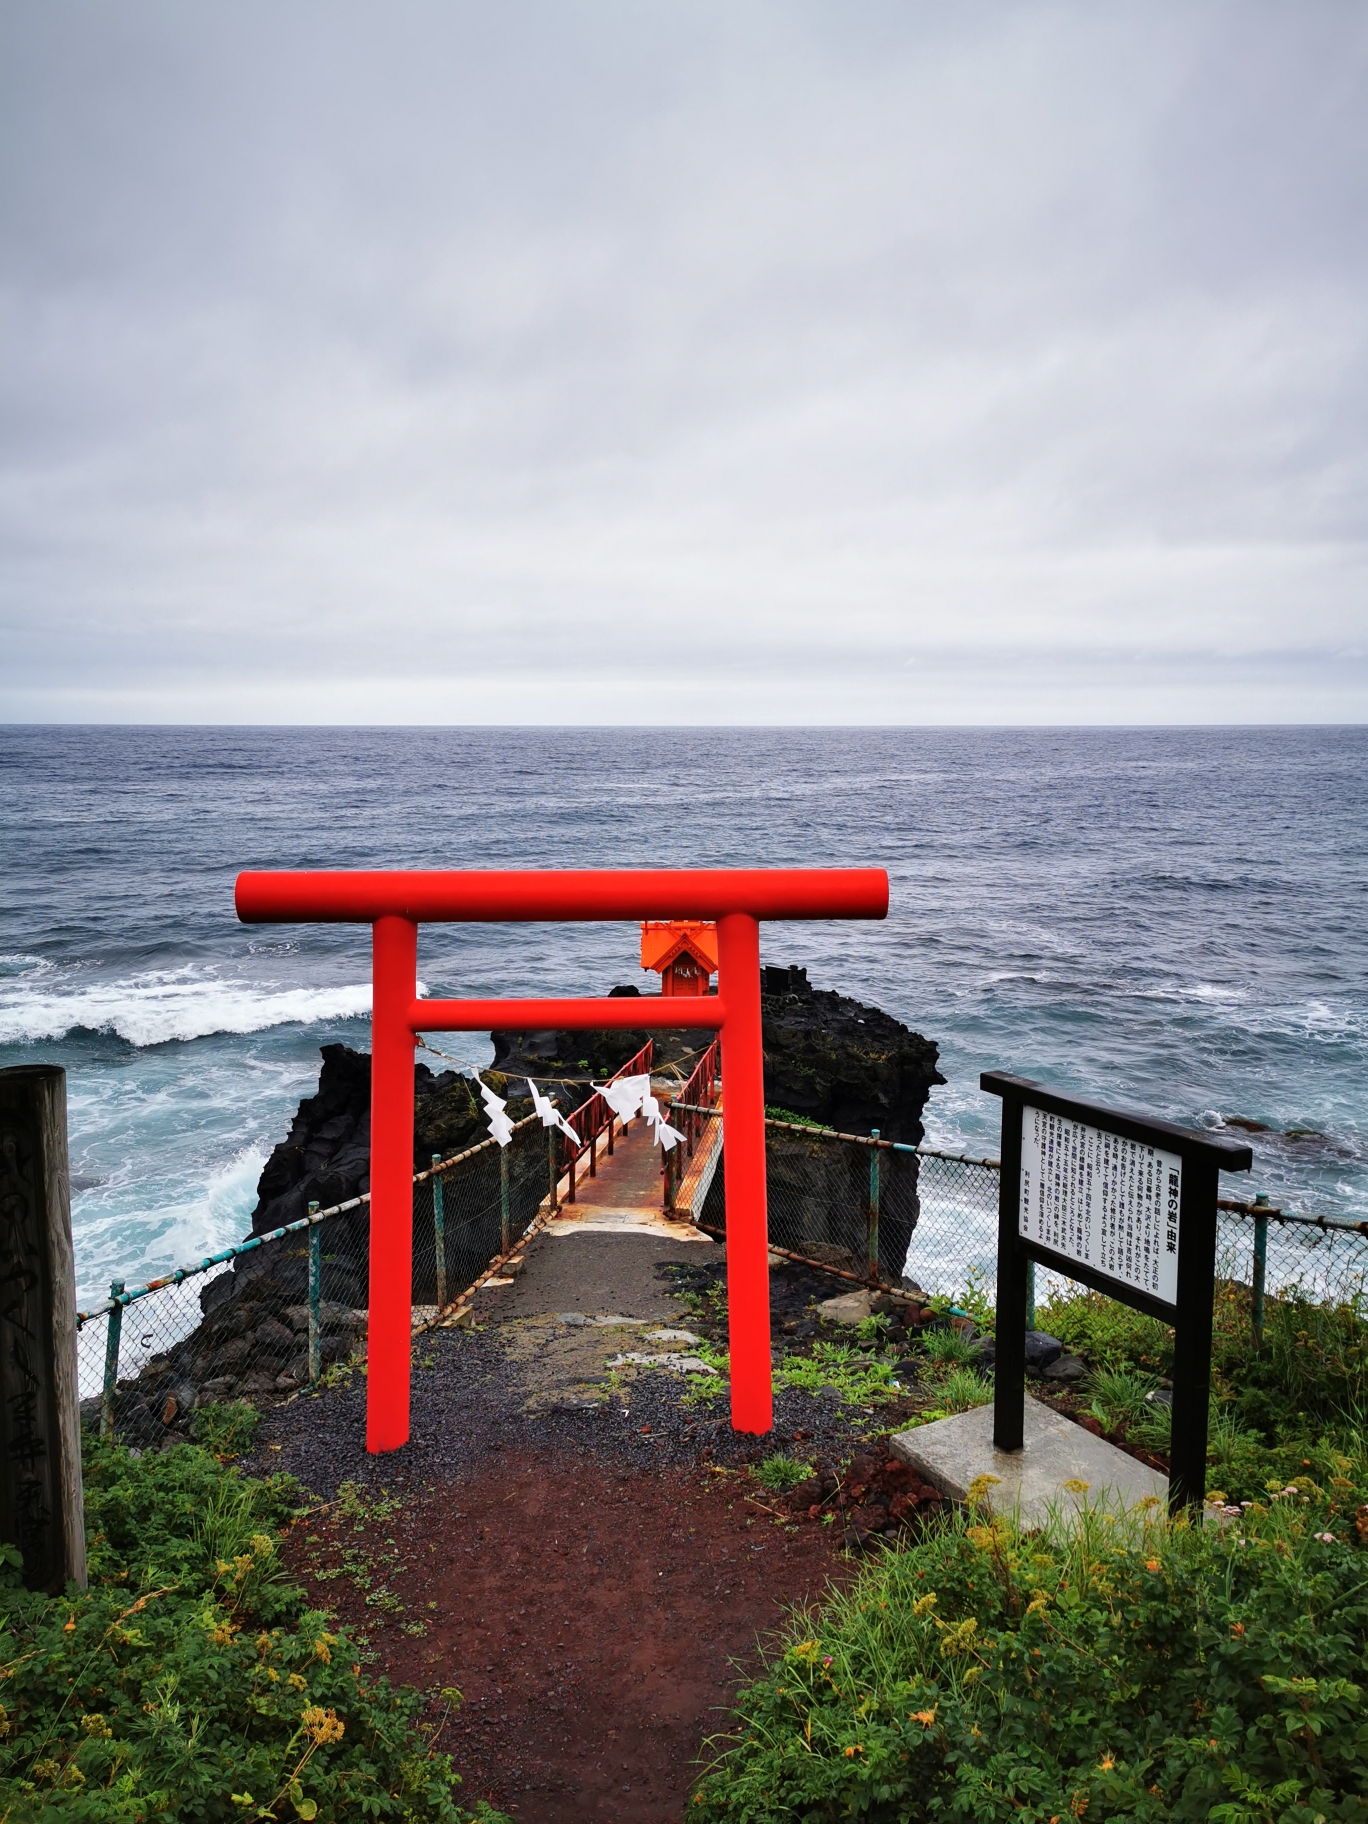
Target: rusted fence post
[
  {"x": 439, "y": 1232},
  {"x": 113, "y": 1343},
  {"x": 41, "y": 1500},
  {"x": 1260, "y": 1272},
  {"x": 873, "y": 1237}
]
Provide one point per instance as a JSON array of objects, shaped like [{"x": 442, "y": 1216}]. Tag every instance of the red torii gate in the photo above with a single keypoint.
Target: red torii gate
[{"x": 395, "y": 903}]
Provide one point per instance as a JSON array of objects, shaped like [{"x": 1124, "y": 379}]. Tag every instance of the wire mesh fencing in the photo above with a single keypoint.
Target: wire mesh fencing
[
  {"x": 471, "y": 1210},
  {"x": 896, "y": 1215},
  {"x": 283, "y": 1310},
  {"x": 871, "y": 1209}
]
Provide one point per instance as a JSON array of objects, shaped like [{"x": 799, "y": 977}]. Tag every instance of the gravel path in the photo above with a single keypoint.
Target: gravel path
[{"x": 525, "y": 1384}]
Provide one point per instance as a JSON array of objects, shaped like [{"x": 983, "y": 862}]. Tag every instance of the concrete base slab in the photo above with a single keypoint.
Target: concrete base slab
[{"x": 1060, "y": 1466}]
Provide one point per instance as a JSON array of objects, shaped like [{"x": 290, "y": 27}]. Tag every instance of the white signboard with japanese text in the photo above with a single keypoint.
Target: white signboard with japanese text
[{"x": 1107, "y": 1202}]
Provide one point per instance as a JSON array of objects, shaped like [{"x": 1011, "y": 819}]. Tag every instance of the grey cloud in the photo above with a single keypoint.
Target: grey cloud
[{"x": 742, "y": 363}]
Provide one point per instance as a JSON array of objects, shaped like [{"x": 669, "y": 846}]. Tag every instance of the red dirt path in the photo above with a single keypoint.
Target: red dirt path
[{"x": 589, "y": 1616}]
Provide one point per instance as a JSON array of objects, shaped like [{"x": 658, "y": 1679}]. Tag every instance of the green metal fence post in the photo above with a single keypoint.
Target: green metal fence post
[
  {"x": 504, "y": 1212},
  {"x": 111, "y": 1373},
  {"x": 1256, "y": 1301},
  {"x": 1030, "y": 1295},
  {"x": 873, "y": 1209},
  {"x": 439, "y": 1233},
  {"x": 315, "y": 1298}
]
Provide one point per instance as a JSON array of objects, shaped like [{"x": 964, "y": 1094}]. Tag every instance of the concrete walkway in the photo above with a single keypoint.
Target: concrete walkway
[{"x": 586, "y": 1288}]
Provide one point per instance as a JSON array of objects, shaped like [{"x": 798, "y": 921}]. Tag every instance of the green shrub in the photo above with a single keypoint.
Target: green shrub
[
  {"x": 1107, "y": 1333},
  {"x": 1128, "y": 1669},
  {"x": 226, "y": 1428},
  {"x": 190, "y": 1681}
]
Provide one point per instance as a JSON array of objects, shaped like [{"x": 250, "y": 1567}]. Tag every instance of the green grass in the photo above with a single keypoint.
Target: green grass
[
  {"x": 1130, "y": 1669},
  {"x": 191, "y": 1680},
  {"x": 780, "y": 1473},
  {"x": 1291, "y": 1405},
  {"x": 948, "y": 1346},
  {"x": 860, "y": 1379},
  {"x": 962, "y": 1389}
]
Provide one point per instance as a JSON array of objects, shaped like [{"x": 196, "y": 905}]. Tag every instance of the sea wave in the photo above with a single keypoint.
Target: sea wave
[
  {"x": 160, "y": 1006},
  {"x": 20, "y": 963}
]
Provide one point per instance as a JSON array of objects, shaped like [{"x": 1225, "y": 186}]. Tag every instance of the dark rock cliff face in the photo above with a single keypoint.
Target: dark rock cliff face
[
  {"x": 326, "y": 1157},
  {"x": 843, "y": 1064}
]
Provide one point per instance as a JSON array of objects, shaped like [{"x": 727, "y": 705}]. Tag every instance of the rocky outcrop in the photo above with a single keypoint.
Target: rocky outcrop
[
  {"x": 325, "y": 1158},
  {"x": 835, "y": 1061},
  {"x": 841, "y": 1063}
]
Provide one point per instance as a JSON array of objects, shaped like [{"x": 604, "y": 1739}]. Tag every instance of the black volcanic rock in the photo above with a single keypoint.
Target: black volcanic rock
[
  {"x": 841, "y": 1063},
  {"x": 562, "y": 1061},
  {"x": 325, "y": 1158}
]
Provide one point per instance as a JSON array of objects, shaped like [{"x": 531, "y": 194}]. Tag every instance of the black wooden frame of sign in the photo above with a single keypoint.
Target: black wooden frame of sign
[{"x": 1204, "y": 1157}]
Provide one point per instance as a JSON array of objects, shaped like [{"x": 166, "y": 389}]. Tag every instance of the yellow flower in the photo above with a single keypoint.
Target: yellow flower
[
  {"x": 1077, "y": 1486},
  {"x": 1106, "y": 1764},
  {"x": 977, "y": 1492},
  {"x": 296, "y": 1683},
  {"x": 323, "y": 1647},
  {"x": 925, "y": 1717},
  {"x": 1151, "y": 1564},
  {"x": 322, "y": 1726},
  {"x": 924, "y": 1605},
  {"x": 857, "y": 1749}
]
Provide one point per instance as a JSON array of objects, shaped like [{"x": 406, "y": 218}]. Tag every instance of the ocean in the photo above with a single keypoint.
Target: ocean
[{"x": 1171, "y": 919}]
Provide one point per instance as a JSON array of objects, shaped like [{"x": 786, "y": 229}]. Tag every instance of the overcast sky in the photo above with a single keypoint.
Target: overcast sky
[{"x": 731, "y": 362}]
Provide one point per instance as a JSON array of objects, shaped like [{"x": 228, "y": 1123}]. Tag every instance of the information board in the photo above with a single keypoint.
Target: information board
[
  {"x": 1126, "y": 1204},
  {"x": 1102, "y": 1200}
]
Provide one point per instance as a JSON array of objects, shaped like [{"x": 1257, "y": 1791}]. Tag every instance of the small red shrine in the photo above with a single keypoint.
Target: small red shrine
[{"x": 682, "y": 951}]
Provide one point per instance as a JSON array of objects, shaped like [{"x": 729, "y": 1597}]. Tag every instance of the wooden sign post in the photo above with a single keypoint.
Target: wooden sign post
[
  {"x": 41, "y": 1505},
  {"x": 1127, "y": 1205}
]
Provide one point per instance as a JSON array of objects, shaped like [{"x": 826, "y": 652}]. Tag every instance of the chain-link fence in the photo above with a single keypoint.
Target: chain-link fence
[
  {"x": 871, "y": 1209},
  {"x": 875, "y": 1210},
  {"x": 279, "y": 1311}
]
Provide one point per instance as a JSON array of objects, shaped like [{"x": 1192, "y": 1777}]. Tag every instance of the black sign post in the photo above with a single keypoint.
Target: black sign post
[{"x": 1126, "y": 1205}]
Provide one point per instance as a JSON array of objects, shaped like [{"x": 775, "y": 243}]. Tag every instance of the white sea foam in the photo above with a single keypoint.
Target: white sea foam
[
  {"x": 158, "y": 1006},
  {"x": 18, "y": 963}
]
